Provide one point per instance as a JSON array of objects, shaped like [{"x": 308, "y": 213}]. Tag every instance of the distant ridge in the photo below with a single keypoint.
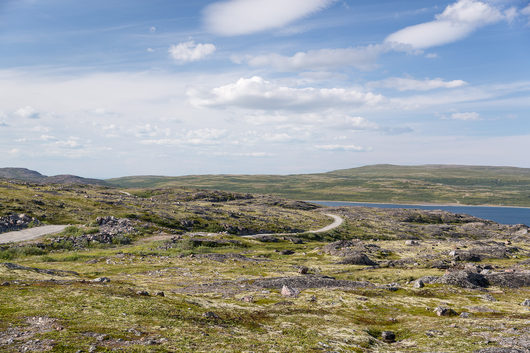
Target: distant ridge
[
  {"x": 27, "y": 175},
  {"x": 437, "y": 184}
]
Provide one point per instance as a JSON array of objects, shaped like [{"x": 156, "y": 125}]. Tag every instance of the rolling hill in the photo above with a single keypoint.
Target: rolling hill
[
  {"x": 32, "y": 176},
  {"x": 444, "y": 184}
]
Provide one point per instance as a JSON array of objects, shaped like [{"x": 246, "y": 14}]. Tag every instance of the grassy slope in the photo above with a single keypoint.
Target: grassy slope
[{"x": 379, "y": 183}]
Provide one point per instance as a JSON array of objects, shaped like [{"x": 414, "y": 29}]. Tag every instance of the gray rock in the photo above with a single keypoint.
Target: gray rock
[
  {"x": 289, "y": 291},
  {"x": 358, "y": 259},
  {"x": 388, "y": 336},
  {"x": 143, "y": 293},
  {"x": 526, "y": 302},
  {"x": 488, "y": 297},
  {"x": 419, "y": 284},
  {"x": 465, "y": 315},
  {"x": 443, "y": 311},
  {"x": 101, "y": 280},
  {"x": 210, "y": 315},
  {"x": 303, "y": 270}
]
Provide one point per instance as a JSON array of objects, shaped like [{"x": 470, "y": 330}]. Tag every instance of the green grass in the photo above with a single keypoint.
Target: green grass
[{"x": 464, "y": 185}]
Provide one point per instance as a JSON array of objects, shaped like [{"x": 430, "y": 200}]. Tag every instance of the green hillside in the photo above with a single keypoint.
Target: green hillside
[{"x": 467, "y": 185}]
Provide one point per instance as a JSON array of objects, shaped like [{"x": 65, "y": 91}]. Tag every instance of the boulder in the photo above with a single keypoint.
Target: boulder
[{"x": 289, "y": 291}]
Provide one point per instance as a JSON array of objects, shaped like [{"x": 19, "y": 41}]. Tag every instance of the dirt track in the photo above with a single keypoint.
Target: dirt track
[{"x": 30, "y": 234}]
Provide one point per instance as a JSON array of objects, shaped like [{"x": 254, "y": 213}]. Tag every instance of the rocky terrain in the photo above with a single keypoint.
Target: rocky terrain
[
  {"x": 171, "y": 270},
  {"x": 15, "y": 221}
]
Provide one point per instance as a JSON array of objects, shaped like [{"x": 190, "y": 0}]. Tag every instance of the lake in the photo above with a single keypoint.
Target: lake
[{"x": 503, "y": 215}]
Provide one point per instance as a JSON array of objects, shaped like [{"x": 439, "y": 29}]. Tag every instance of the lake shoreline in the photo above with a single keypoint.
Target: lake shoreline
[{"x": 419, "y": 204}]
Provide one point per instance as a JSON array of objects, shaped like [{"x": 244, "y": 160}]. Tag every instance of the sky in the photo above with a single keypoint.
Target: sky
[{"x": 108, "y": 88}]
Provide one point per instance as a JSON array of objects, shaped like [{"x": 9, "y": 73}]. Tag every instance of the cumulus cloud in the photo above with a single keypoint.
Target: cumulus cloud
[
  {"x": 456, "y": 22},
  {"x": 349, "y": 148},
  {"x": 257, "y": 93},
  {"x": 239, "y": 17},
  {"x": 410, "y": 84},
  {"x": 27, "y": 113},
  {"x": 469, "y": 116},
  {"x": 363, "y": 58},
  {"x": 199, "y": 137},
  {"x": 190, "y": 51}
]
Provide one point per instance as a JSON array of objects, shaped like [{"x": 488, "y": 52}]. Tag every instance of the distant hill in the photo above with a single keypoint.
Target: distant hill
[
  {"x": 32, "y": 176},
  {"x": 444, "y": 184}
]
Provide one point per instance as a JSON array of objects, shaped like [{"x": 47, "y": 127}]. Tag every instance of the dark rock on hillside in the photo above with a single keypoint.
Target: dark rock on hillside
[
  {"x": 16, "y": 222},
  {"x": 112, "y": 230},
  {"x": 464, "y": 279},
  {"x": 308, "y": 281},
  {"x": 509, "y": 279},
  {"x": 358, "y": 259},
  {"x": 11, "y": 266}
]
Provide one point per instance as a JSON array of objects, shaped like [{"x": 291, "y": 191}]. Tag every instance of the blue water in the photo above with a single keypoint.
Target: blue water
[{"x": 503, "y": 215}]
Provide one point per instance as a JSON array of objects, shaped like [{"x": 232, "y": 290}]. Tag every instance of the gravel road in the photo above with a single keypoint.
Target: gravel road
[{"x": 30, "y": 233}]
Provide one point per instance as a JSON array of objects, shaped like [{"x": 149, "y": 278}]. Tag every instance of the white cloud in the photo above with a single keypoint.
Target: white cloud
[
  {"x": 469, "y": 116},
  {"x": 257, "y": 93},
  {"x": 244, "y": 154},
  {"x": 239, "y": 17},
  {"x": 526, "y": 11},
  {"x": 410, "y": 84},
  {"x": 456, "y": 22},
  {"x": 197, "y": 137},
  {"x": 190, "y": 51},
  {"x": 350, "y": 148},
  {"x": 27, "y": 112},
  {"x": 363, "y": 58}
]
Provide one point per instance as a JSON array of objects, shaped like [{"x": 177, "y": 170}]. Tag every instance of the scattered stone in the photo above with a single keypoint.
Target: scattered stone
[
  {"x": 142, "y": 293},
  {"x": 419, "y": 284},
  {"x": 266, "y": 238},
  {"x": 388, "y": 336},
  {"x": 303, "y": 270},
  {"x": 248, "y": 299},
  {"x": 289, "y": 291},
  {"x": 526, "y": 302},
  {"x": 358, "y": 259},
  {"x": 488, "y": 297},
  {"x": 15, "y": 222},
  {"x": 11, "y": 266},
  {"x": 465, "y": 315},
  {"x": 411, "y": 242},
  {"x": 501, "y": 350},
  {"x": 286, "y": 252},
  {"x": 210, "y": 315},
  {"x": 312, "y": 299},
  {"x": 443, "y": 311},
  {"x": 160, "y": 294},
  {"x": 101, "y": 280},
  {"x": 464, "y": 279},
  {"x": 509, "y": 279},
  {"x": 5, "y": 284}
]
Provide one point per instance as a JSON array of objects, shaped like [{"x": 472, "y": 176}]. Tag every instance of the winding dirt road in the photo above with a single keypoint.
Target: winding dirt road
[
  {"x": 34, "y": 233},
  {"x": 337, "y": 221},
  {"x": 30, "y": 233}
]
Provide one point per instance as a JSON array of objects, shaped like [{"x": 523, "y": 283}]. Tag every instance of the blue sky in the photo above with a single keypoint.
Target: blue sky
[{"x": 112, "y": 88}]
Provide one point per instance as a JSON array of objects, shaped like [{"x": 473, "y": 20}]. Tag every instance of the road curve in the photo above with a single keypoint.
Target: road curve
[
  {"x": 337, "y": 221},
  {"x": 30, "y": 233}
]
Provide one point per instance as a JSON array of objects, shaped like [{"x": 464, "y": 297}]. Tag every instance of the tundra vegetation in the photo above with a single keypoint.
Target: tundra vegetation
[
  {"x": 186, "y": 270},
  {"x": 439, "y": 184}
]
